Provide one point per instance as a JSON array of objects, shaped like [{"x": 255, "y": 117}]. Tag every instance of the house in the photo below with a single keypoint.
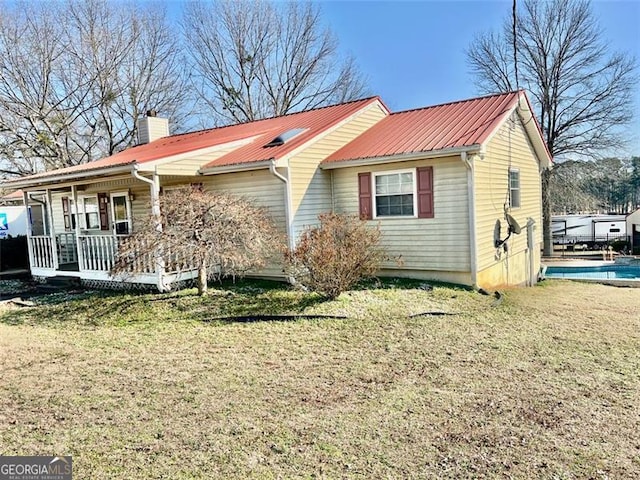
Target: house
[
  {"x": 633, "y": 231},
  {"x": 438, "y": 180}
]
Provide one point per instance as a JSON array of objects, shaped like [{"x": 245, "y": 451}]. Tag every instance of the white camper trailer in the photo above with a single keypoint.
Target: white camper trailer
[{"x": 595, "y": 231}]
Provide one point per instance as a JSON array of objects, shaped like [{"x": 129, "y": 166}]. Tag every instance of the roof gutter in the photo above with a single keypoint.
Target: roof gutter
[
  {"x": 45, "y": 180},
  {"x": 402, "y": 157}
]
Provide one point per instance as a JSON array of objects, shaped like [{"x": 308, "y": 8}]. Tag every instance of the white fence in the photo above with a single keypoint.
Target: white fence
[
  {"x": 42, "y": 251},
  {"x": 98, "y": 252}
]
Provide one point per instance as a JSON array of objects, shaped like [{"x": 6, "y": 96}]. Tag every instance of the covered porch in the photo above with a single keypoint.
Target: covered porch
[{"x": 75, "y": 230}]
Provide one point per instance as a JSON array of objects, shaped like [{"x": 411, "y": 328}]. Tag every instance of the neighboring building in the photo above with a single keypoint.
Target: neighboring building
[
  {"x": 633, "y": 231},
  {"x": 438, "y": 181},
  {"x": 13, "y": 215}
]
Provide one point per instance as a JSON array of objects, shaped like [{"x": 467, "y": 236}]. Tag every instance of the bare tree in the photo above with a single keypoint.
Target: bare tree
[
  {"x": 75, "y": 76},
  {"x": 217, "y": 234},
  {"x": 580, "y": 91},
  {"x": 253, "y": 60},
  {"x": 569, "y": 188}
]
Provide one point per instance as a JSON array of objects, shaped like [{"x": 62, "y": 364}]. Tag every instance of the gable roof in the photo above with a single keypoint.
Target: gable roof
[
  {"x": 256, "y": 135},
  {"x": 451, "y": 126},
  {"x": 13, "y": 197}
]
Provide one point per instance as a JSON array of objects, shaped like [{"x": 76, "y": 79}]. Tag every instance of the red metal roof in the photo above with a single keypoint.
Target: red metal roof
[
  {"x": 315, "y": 121},
  {"x": 16, "y": 195},
  {"x": 450, "y": 125}
]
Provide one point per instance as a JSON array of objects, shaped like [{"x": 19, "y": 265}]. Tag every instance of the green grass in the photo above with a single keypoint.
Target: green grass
[{"x": 544, "y": 385}]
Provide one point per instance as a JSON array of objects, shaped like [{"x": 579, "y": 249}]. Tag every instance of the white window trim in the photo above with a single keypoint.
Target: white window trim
[
  {"x": 515, "y": 170},
  {"x": 83, "y": 225},
  {"x": 124, "y": 194},
  {"x": 374, "y": 196}
]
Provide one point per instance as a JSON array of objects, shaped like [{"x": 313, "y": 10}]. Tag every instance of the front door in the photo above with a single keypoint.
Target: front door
[{"x": 121, "y": 213}]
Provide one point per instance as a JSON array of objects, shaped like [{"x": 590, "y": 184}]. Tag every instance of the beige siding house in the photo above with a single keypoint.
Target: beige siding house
[{"x": 437, "y": 181}]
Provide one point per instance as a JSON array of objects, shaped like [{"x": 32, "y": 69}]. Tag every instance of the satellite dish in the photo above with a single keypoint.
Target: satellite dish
[
  {"x": 514, "y": 227},
  {"x": 513, "y": 224}
]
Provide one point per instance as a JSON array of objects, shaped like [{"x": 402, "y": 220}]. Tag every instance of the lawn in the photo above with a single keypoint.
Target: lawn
[{"x": 545, "y": 384}]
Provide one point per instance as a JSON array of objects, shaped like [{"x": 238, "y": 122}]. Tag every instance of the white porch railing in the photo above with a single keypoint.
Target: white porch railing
[
  {"x": 174, "y": 263},
  {"x": 42, "y": 251},
  {"x": 98, "y": 252}
]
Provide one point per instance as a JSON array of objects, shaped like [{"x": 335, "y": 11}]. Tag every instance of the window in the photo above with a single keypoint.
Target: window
[
  {"x": 404, "y": 193},
  {"x": 91, "y": 213},
  {"x": 70, "y": 213},
  {"x": 514, "y": 188},
  {"x": 395, "y": 194}
]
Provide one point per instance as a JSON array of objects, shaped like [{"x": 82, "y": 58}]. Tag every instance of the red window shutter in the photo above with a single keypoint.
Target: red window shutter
[
  {"x": 66, "y": 214},
  {"x": 364, "y": 195},
  {"x": 103, "y": 201},
  {"x": 425, "y": 192}
]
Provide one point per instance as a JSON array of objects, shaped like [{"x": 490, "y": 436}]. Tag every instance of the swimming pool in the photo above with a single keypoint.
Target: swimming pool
[{"x": 601, "y": 272}]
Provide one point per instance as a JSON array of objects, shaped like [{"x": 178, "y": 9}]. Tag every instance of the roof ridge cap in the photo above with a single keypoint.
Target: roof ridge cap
[
  {"x": 484, "y": 97},
  {"x": 364, "y": 99}
]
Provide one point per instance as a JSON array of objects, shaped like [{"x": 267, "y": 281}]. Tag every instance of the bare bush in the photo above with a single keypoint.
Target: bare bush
[
  {"x": 216, "y": 233},
  {"x": 333, "y": 256}
]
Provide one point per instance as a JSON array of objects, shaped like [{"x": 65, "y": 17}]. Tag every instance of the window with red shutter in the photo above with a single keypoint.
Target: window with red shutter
[
  {"x": 364, "y": 195},
  {"x": 425, "y": 192},
  {"x": 103, "y": 202}
]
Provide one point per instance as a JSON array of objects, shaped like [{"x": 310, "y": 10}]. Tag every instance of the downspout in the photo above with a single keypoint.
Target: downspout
[
  {"x": 44, "y": 205},
  {"x": 531, "y": 247},
  {"x": 287, "y": 203},
  {"x": 471, "y": 199},
  {"x": 154, "y": 186}
]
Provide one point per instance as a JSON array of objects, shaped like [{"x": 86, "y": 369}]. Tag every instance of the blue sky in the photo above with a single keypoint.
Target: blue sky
[{"x": 412, "y": 53}]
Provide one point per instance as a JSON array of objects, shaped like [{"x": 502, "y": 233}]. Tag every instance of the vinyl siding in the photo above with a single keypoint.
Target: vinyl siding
[
  {"x": 140, "y": 205},
  {"x": 310, "y": 186},
  {"x": 436, "y": 247},
  {"x": 263, "y": 188},
  {"x": 509, "y": 148}
]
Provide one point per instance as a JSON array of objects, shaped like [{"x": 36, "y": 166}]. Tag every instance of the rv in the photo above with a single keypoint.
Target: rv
[{"x": 594, "y": 231}]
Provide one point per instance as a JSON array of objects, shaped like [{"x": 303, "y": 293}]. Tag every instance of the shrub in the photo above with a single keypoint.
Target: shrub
[
  {"x": 620, "y": 245},
  {"x": 216, "y": 233},
  {"x": 333, "y": 256}
]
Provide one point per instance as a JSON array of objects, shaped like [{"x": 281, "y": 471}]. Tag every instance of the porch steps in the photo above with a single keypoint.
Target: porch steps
[{"x": 60, "y": 282}]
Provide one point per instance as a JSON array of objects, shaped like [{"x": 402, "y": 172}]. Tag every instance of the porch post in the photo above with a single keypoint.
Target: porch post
[
  {"x": 52, "y": 231},
  {"x": 74, "y": 194},
  {"x": 25, "y": 199},
  {"x": 154, "y": 187},
  {"x": 155, "y": 209}
]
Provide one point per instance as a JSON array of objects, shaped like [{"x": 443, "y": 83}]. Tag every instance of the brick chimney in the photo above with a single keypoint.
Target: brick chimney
[{"x": 151, "y": 127}]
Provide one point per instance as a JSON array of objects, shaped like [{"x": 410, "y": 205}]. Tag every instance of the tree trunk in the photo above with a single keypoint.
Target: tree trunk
[
  {"x": 202, "y": 279},
  {"x": 546, "y": 213}
]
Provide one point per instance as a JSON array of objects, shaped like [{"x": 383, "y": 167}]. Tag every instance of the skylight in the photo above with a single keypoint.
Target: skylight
[{"x": 285, "y": 137}]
